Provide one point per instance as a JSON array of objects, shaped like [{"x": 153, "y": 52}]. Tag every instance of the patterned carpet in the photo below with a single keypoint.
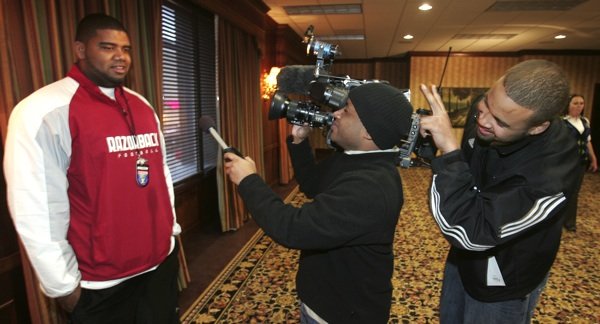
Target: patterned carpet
[{"x": 258, "y": 284}]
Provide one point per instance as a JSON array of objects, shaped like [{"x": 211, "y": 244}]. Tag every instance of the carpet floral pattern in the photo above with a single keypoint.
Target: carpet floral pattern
[{"x": 258, "y": 284}]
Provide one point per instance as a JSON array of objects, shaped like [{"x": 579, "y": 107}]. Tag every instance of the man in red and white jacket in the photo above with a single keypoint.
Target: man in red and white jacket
[{"x": 89, "y": 189}]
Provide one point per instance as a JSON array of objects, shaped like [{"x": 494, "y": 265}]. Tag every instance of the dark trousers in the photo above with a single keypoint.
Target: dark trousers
[
  {"x": 148, "y": 298},
  {"x": 571, "y": 208}
]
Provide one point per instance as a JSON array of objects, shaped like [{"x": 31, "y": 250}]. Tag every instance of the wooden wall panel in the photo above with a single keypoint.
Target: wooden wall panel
[
  {"x": 469, "y": 70},
  {"x": 196, "y": 201},
  {"x": 461, "y": 71},
  {"x": 355, "y": 69},
  {"x": 583, "y": 72},
  {"x": 396, "y": 72}
]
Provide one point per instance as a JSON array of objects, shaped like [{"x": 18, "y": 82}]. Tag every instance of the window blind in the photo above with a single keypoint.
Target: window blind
[{"x": 188, "y": 89}]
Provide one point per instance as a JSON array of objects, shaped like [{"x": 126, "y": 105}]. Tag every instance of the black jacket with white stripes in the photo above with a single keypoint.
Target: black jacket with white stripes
[{"x": 501, "y": 209}]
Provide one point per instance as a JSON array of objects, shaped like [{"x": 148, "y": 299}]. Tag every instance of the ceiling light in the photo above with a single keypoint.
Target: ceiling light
[
  {"x": 408, "y": 36},
  {"x": 343, "y": 37},
  {"x": 534, "y": 5},
  {"x": 425, "y": 7},
  {"x": 484, "y": 36},
  {"x": 561, "y": 36},
  {"x": 343, "y": 9}
]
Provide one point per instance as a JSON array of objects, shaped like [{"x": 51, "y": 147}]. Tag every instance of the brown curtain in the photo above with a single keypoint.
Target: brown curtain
[
  {"x": 240, "y": 118},
  {"x": 36, "y": 38},
  {"x": 286, "y": 172}
]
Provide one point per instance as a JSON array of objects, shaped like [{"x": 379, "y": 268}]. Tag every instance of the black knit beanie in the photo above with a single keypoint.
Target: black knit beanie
[{"x": 384, "y": 111}]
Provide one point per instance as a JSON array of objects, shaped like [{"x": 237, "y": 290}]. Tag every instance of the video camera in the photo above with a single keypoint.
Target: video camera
[
  {"x": 423, "y": 148},
  {"x": 298, "y": 112},
  {"x": 333, "y": 91},
  {"x": 315, "y": 81}
]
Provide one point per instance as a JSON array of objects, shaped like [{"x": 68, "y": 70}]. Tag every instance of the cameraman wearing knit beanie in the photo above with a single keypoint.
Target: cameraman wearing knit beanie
[
  {"x": 345, "y": 233},
  {"x": 384, "y": 113}
]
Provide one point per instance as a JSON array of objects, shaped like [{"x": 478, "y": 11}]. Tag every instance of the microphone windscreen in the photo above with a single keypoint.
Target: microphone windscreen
[
  {"x": 206, "y": 123},
  {"x": 295, "y": 78}
]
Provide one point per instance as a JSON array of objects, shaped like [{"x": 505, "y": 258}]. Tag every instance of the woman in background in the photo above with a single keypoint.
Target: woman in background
[{"x": 580, "y": 128}]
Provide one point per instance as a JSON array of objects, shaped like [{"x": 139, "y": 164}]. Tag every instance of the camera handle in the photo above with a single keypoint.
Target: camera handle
[
  {"x": 408, "y": 145},
  {"x": 233, "y": 150}
]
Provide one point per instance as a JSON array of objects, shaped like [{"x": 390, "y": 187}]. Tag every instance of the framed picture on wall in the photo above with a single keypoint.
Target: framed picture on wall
[{"x": 458, "y": 102}]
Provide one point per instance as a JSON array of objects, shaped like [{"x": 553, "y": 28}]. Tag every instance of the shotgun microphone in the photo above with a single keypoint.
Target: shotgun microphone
[
  {"x": 207, "y": 125},
  {"x": 295, "y": 78}
]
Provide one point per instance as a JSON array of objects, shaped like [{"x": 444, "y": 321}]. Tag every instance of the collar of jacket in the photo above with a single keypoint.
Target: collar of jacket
[
  {"x": 530, "y": 139},
  {"x": 92, "y": 88}
]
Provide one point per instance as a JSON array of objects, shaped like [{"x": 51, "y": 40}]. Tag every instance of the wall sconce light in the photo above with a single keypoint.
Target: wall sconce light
[{"x": 269, "y": 83}]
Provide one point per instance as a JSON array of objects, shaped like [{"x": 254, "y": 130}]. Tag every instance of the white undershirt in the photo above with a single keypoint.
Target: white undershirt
[{"x": 109, "y": 92}]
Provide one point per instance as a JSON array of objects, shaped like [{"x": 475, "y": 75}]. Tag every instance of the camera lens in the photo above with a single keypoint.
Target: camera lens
[
  {"x": 298, "y": 112},
  {"x": 279, "y": 105}
]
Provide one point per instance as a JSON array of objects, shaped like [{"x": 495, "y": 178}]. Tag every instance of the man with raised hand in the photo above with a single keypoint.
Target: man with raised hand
[{"x": 499, "y": 199}]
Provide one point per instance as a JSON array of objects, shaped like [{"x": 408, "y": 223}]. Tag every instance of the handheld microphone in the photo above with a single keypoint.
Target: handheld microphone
[
  {"x": 207, "y": 125},
  {"x": 295, "y": 78}
]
